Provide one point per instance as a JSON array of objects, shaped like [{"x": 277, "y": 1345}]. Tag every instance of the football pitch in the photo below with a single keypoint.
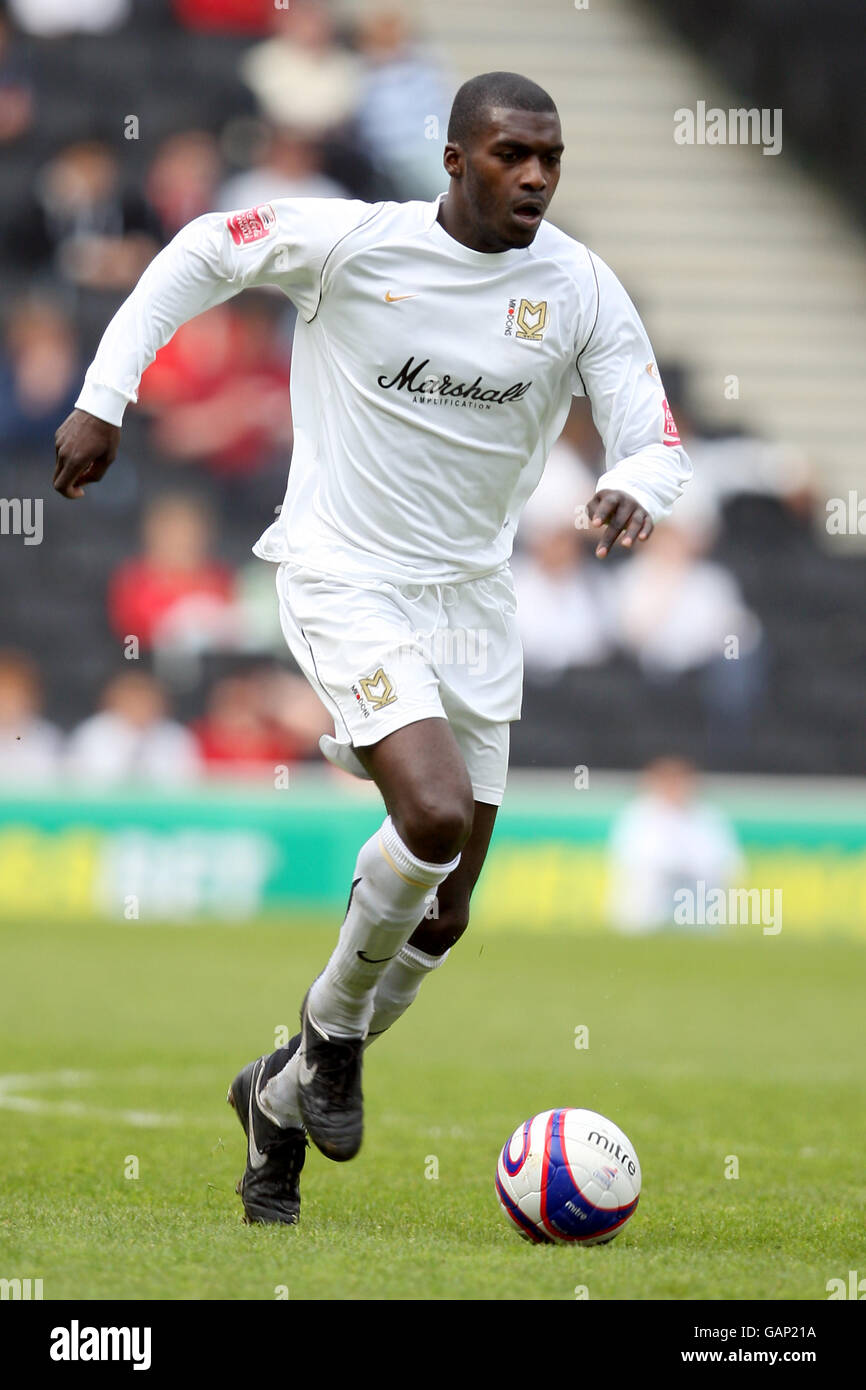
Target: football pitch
[{"x": 735, "y": 1066}]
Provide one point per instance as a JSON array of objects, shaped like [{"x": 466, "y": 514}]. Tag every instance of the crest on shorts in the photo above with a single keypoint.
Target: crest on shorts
[
  {"x": 531, "y": 320},
  {"x": 378, "y": 689}
]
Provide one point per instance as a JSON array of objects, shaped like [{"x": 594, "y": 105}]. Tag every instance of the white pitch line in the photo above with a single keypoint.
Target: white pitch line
[{"x": 11, "y": 1084}]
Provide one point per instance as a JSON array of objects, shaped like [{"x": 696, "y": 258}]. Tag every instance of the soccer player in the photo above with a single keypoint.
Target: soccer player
[{"x": 437, "y": 350}]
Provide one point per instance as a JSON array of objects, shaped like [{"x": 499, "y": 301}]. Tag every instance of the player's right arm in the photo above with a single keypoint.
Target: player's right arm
[{"x": 285, "y": 243}]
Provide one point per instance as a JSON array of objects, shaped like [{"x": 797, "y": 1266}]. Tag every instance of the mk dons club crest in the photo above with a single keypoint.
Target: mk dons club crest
[
  {"x": 378, "y": 689},
  {"x": 531, "y": 320}
]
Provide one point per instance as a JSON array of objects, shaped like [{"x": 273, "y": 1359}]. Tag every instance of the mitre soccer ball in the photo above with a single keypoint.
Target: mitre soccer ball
[{"x": 568, "y": 1176}]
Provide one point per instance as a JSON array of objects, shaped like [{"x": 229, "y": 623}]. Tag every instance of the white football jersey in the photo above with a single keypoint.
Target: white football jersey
[{"x": 429, "y": 381}]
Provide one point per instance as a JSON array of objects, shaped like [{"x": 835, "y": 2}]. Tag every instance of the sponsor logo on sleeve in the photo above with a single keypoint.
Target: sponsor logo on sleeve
[
  {"x": 253, "y": 225},
  {"x": 671, "y": 434}
]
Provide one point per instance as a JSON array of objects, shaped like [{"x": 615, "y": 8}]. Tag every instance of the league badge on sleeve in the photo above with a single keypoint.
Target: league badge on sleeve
[
  {"x": 251, "y": 226},
  {"x": 671, "y": 434}
]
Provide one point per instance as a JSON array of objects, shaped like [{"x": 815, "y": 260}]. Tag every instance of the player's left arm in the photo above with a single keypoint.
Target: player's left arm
[{"x": 646, "y": 466}]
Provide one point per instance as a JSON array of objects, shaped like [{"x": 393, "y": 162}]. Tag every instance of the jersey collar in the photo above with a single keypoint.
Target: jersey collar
[{"x": 492, "y": 260}]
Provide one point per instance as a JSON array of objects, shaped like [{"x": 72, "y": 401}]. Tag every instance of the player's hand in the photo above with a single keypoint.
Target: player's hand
[
  {"x": 623, "y": 519},
  {"x": 84, "y": 447}
]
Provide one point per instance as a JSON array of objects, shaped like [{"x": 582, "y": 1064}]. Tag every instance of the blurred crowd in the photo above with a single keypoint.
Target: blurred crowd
[
  {"x": 319, "y": 113},
  {"x": 257, "y": 724},
  {"x": 671, "y": 607},
  {"x": 318, "y": 107}
]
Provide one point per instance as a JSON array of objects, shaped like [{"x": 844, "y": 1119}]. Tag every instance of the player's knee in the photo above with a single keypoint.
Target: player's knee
[
  {"x": 437, "y": 827},
  {"x": 439, "y": 931}
]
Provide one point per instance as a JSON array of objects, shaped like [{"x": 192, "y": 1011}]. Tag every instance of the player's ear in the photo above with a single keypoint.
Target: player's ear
[{"x": 454, "y": 160}]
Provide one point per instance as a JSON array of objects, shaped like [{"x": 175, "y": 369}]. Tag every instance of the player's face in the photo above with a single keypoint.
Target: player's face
[{"x": 509, "y": 176}]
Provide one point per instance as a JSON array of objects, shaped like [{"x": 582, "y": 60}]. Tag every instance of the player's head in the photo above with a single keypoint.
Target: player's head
[{"x": 503, "y": 152}]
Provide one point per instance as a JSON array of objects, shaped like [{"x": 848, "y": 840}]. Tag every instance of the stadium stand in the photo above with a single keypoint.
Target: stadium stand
[{"x": 807, "y": 596}]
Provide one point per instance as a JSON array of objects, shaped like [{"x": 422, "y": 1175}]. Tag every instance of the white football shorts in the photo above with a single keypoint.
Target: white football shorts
[{"x": 381, "y": 656}]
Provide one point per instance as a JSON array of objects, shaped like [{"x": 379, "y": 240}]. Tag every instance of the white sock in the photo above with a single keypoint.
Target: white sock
[
  {"x": 392, "y": 889},
  {"x": 396, "y": 990},
  {"x": 399, "y": 986},
  {"x": 278, "y": 1098}
]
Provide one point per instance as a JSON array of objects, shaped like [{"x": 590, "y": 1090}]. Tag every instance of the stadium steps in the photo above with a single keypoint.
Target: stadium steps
[{"x": 741, "y": 263}]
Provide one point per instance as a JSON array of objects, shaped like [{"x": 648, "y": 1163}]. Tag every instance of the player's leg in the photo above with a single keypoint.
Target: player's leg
[
  {"x": 425, "y": 782},
  {"x": 270, "y": 1185},
  {"x": 444, "y": 923},
  {"x": 422, "y": 776}
]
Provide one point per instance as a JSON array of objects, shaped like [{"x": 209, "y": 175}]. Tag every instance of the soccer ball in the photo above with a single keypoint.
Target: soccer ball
[{"x": 568, "y": 1176}]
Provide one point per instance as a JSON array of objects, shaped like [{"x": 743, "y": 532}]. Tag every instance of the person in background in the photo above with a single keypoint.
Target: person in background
[
  {"x": 83, "y": 224},
  {"x": 225, "y": 16},
  {"x": 675, "y": 610},
  {"x": 39, "y": 370},
  {"x": 30, "y": 747},
  {"x": 132, "y": 739},
  {"x": 665, "y": 840},
  {"x": 257, "y": 722},
  {"x": 218, "y": 394},
  {"x": 174, "y": 587},
  {"x": 403, "y": 104},
  {"x": 50, "y": 19},
  {"x": 301, "y": 78},
  {"x": 16, "y": 91},
  {"x": 289, "y": 166},
  {"x": 183, "y": 178},
  {"x": 562, "y": 606},
  {"x": 734, "y": 465}
]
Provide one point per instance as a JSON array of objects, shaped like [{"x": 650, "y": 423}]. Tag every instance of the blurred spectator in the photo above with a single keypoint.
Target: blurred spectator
[
  {"x": 258, "y": 721},
  {"x": 402, "y": 112},
  {"x": 84, "y": 224},
  {"x": 183, "y": 178},
  {"x": 132, "y": 739},
  {"x": 30, "y": 747},
  {"x": 174, "y": 594},
  {"x": 258, "y": 614},
  {"x": 225, "y": 16},
  {"x": 675, "y": 610},
  {"x": 49, "y": 19},
  {"x": 733, "y": 464},
  {"x": 40, "y": 372},
  {"x": 300, "y": 77},
  {"x": 219, "y": 389},
  {"x": 563, "y": 607},
  {"x": 290, "y": 167},
  {"x": 16, "y": 93},
  {"x": 667, "y": 839}
]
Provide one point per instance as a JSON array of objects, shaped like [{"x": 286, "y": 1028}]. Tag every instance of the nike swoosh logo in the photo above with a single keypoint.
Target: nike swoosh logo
[
  {"x": 362, "y": 955},
  {"x": 257, "y": 1158},
  {"x": 395, "y": 298},
  {"x": 355, "y": 882}
]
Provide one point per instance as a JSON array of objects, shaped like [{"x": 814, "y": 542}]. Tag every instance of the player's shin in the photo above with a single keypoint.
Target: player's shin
[
  {"x": 390, "y": 891},
  {"x": 399, "y": 986},
  {"x": 396, "y": 990}
]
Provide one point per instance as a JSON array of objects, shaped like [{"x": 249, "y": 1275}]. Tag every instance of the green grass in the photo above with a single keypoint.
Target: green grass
[{"x": 699, "y": 1049}]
